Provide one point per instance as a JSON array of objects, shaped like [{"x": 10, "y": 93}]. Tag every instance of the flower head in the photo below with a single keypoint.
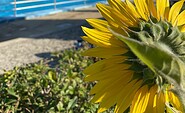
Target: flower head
[{"x": 143, "y": 50}]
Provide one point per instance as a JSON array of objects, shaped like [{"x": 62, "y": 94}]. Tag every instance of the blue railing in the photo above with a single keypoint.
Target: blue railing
[{"x": 25, "y": 8}]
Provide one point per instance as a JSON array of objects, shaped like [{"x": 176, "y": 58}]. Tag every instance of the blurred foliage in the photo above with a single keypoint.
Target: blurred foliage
[{"x": 40, "y": 88}]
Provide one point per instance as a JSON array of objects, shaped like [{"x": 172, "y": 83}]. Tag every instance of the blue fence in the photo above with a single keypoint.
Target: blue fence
[{"x": 25, "y": 8}]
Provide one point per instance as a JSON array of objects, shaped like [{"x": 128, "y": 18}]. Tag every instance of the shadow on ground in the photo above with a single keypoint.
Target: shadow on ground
[
  {"x": 66, "y": 25},
  {"x": 64, "y": 29},
  {"x": 47, "y": 56}
]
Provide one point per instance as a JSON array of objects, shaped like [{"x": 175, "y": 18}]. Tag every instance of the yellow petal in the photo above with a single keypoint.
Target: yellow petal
[
  {"x": 114, "y": 4},
  {"x": 122, "y": 7},
  {"x": 140, "y": 101},
  {"x": 98, "y": 35},
  {"x": 126, "y": 96},
  {"x": 121, "y": 19},
  {"x": 90, "y": 40},
  {"x": 96, "y": 67},
  {"x": 105, "y": 52},
  {"x": 113, "y": 73},
  {"x": 166, "y": 13},
  {"x": 113, "y": 91},
  {"x": 114, "y": 17},
  {"x": 132, "y": 9},
  {"x": 125, "y": 78},
  {"x": 152, "y": 8},
  {"x": 106, "y": 13},
  {"x": 135, "y": 102},
  {"x": 182, "y": 29},
  {"x": 162, "y": 9},
  {"x": 151, "y": 106},
  {"x": 104, "y": 65},
  {"x": 174, "y": 11},
  {"x": 109, "y": 88},
  {"x": 98, "y": 24},
  {"x": 103, "y": 39},
  {"x": 181, "y": 18},
  {"x": 166, "y": 96},
  {"x": 160, "y": 103},
  {"x": 175, "y": 101},
  {"x": 142, "y": 9}
]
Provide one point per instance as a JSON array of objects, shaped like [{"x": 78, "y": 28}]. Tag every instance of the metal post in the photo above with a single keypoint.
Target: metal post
[
  {"x": 15, "y": 12},
  {"x": 55, "y": 7}
]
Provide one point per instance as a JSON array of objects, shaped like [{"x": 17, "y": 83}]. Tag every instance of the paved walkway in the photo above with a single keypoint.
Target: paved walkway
[{"x": 30, "y": 40}]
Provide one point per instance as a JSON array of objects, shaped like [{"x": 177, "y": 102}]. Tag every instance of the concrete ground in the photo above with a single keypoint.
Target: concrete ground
[{"x": 30, "y": 40}]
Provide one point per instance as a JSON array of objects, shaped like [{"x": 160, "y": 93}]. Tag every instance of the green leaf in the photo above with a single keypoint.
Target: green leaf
[
  {"x": 12, "y": 92},
  {"x": 60, "y": 106},
  {"x": 52, "y": 76},
  {"x": 72, "y": 103}
]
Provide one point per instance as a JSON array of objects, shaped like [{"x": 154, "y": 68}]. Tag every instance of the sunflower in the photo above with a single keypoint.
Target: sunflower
[{"x": 142, "y": 47}]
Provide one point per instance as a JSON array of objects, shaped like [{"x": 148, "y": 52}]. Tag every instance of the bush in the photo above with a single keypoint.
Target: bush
[{"x": 38, "y": 87}]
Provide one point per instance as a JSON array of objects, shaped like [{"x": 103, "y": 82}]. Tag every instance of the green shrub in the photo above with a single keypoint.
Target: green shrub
[{"x": 40, "y": 88}]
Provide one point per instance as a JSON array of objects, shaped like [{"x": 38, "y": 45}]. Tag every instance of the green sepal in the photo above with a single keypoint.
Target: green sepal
[
  {"x": 129, "y": 54},
  {"x": 148, "y": 76},
  {"x": 137, "y": 76},
  {"x": 136, "y": 66}
]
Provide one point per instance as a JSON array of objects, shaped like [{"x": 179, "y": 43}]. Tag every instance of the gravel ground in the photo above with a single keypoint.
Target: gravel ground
[
  {"x": 27, "y": 51},
  {"x": 36, "y": 38}
]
